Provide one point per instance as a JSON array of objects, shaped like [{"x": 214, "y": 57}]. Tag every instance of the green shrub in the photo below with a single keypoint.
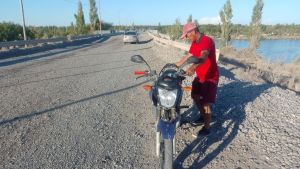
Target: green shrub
[{"x": 10, "y": 31}]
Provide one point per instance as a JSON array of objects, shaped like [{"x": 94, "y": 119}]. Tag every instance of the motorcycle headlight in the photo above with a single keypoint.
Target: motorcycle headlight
[{"x": 167, "y": 98}]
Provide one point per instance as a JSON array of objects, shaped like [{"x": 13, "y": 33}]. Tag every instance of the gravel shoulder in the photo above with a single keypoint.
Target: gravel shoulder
[{"x": 255, "y": 124}]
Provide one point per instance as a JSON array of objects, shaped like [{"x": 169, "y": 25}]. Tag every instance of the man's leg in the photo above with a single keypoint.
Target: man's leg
[
  {"x": 200, "y": 108},
  {"x": 205, "y": 112},
  {"x": 206, "y": 96},
  {"x": 207, "y": 115}
]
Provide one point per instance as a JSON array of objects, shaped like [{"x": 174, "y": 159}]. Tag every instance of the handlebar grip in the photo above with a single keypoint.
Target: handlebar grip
[
  {"x": 182, "y": 72},
  {"x": 139, "y": 72}
]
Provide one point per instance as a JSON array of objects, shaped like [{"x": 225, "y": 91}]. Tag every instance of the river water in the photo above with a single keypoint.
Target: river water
[{"x": 285, "y": 51}]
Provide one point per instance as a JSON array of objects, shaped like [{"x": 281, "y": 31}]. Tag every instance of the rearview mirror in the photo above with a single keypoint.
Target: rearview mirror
[{"x": 137, "y": 59}]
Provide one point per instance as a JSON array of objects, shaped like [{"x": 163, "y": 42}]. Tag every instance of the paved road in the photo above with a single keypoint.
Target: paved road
[{"x": 76, "y": 109}]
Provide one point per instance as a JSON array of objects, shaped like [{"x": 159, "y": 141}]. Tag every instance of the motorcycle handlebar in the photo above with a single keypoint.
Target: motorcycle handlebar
[
  {"x": 139, "y": 77},
  {"x": 181, "y": 72}
]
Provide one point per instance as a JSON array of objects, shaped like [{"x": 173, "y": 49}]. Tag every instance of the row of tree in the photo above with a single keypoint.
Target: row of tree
[
  {"x": 255, "y": 29},
  {"x": 11, "y": 31},
  {"x": 226, "y": 30},
  {"x": 242, "y": 31}
]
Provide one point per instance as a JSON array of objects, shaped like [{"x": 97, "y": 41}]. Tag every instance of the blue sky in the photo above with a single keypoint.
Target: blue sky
[{"x": 150, "y": 12}]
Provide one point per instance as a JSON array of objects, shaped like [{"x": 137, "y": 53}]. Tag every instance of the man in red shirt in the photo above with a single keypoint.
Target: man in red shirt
[{"x": 204, "y": 86}]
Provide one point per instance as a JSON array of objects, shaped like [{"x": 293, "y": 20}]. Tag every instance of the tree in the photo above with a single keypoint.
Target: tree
[
  {"x": 94, "y": 18},
  {"x": 255, "y": 25},
  {"x": 176, "y": 29},
  {"x": 159, "y": 28},
  {"x": 98, "y": 24},
  {"x": 196, "y": 22},
  {"x": 10, "y": 31},
  {"x": 226, "y": 24},
  {"x": 190, "y": 19},
  {"x": 80, "y": 23}
]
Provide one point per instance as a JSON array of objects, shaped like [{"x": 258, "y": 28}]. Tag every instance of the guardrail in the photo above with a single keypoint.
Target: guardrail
[
  {"x": 175, "y": 44},
  {"x": 17, "y": 44},
  {"x": 20, "y": 48}
]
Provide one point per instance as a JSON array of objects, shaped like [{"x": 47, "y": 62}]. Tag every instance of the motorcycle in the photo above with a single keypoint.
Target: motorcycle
[{"x": 165, "y": 93}]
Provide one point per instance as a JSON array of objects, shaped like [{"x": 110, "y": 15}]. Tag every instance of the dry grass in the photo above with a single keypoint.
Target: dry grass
[{"x": 297, "y": 62}]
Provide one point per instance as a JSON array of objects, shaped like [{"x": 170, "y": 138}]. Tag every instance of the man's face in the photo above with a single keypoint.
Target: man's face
[{"x": 191, "y": 35}]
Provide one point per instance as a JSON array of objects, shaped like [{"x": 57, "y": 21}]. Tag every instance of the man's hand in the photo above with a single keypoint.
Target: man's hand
[{"x": 191, "y": 71}]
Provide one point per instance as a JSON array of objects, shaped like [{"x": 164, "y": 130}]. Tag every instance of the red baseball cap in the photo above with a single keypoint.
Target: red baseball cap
[{"x": 187, "y": 28}]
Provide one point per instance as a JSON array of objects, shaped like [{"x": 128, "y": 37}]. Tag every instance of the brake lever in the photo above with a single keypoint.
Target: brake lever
[{"x": 139, "y": 77}]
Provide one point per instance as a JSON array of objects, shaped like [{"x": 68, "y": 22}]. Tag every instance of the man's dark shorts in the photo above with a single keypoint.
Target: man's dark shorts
[{"x": 206, "y": 91}]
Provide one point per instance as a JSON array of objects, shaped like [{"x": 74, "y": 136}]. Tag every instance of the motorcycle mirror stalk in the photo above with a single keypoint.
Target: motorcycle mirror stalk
[{"x": 139, "y": 59}]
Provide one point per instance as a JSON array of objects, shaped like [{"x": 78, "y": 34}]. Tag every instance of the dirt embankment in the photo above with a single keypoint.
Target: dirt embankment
[{"x": 283, "y": 75}]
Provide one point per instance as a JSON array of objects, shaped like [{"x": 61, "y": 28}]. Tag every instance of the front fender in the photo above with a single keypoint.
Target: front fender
[
  {"x": 167, "y": 129},
  {"x": 153, "y": 96}
]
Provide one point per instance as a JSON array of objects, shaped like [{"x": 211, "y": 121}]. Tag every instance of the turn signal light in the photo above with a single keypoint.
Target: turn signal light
[
  {"x": 147, "y": 87},
  {"x": 187, "y": 88}
]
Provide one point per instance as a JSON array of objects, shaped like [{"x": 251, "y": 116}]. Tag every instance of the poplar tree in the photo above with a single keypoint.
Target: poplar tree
[
  {"x": 196, "y": 22},
  {"x": 190, "y": 19},
  {"x": 94, "y": 18},
  {"x": 255, "y": 25},
  {"x": 226, "y": 24},
  {"x": 80, "y": 23}
]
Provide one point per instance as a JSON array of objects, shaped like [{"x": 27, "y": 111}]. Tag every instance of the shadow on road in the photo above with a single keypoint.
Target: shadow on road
[
  {"x": 51, "y": 110},
  {"x": 75, "y": 45},
  {"x": 229, "y": 114}
]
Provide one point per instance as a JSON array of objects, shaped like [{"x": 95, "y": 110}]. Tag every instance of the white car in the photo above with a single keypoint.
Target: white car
[{"x": 130, "y": 37}]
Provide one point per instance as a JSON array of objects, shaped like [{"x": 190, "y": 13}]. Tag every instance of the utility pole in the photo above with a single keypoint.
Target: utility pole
[
  {"x": 24, "y": 29},
  {"x": 100, "y": 19},
  {"x": 119, "y": 22}
]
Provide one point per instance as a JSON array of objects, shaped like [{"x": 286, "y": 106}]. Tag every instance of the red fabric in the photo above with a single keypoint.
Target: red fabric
[
  {"x": 208, "y": 71},
  {"x": 204, "y": 93}
]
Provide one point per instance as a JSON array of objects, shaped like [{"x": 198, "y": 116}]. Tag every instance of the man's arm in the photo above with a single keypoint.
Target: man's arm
[
  {"x": 183, "y": 60},
  {"x": 191, "y": 70}
]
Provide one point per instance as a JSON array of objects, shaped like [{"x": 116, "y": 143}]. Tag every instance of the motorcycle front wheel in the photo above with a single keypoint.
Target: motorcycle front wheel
[{"x": 166, "y": 154}]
